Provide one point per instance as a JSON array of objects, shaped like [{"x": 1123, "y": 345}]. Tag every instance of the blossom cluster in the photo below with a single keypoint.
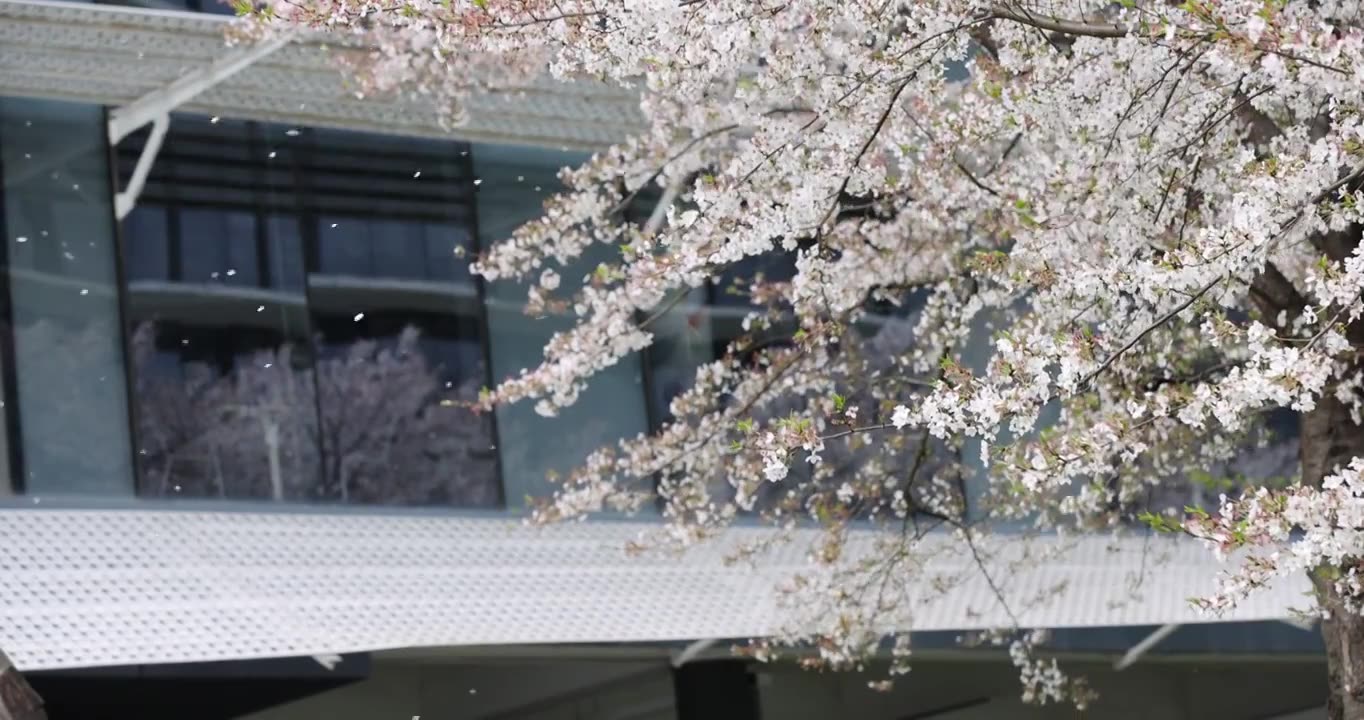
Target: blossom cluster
[
  {"x": 1049, "y": 258},
  {"x": 1330, "y": 534}
]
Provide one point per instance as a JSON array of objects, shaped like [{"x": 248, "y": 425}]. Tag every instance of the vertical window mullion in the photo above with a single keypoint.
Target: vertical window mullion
[
  {"x": 124, "y": 317},
  {"x": 9, "y": 378},
  {"x": 465, "y": 162}
]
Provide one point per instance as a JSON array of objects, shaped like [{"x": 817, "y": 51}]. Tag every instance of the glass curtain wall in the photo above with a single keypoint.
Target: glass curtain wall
[
  {"x": 298, "y": 320},
  {"x": 304, "y": 325},
  {"x": 61, "y": 356},
  {"x": 514, "y": 183}
]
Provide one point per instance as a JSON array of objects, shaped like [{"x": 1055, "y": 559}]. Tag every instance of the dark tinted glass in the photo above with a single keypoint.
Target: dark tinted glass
[
  {"x": 61, "y": 360},
  {"x": 305, "y": 327},
  {"x": 515, "y": 183}
]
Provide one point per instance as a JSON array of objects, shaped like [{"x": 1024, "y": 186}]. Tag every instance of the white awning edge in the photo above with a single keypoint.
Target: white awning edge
[
  {"x": 112, "y": 55},
  {"x": 87, "y": 588}
]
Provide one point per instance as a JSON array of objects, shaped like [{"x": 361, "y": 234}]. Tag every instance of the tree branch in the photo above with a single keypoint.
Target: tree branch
[
  {"x": 1149, "y": 329},
  {"x": 1059, "y": 25}
]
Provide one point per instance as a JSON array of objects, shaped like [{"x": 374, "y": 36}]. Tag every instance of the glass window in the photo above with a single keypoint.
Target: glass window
[
  {"x": 218, "y": 244},
  {"x": 317, "y": 334},
  {"x": 147, "y": 236},
  {"x": 284, "y": 251},
  {"x": 225, "y": 401},
  {"x": 62, "y": 361},
  {"x": 515, "y": 183},
  {"x": 399, "y": 323},
  {"x": 215, "y": 7},
  {"x": 707, "y": 325}
]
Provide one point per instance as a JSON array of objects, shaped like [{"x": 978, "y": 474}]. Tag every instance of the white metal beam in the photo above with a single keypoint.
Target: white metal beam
[
  {"x": 127, "y": 198},
  {"x": 1136, "y": 651},
  {"x": 156, "y": 106},
  {"x": 127, "y": 118},
  {"x": 693, "y": 650},
  {"x": 329, "y": 661}
]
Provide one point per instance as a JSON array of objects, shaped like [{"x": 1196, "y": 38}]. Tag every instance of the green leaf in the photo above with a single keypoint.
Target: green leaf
[
  {"x": 1159, "y": 523},
  {"x": 839, "y": 402}
]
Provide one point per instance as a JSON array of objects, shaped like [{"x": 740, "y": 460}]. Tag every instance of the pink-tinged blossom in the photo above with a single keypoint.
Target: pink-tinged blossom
[{"x": 1121, "y": 239}]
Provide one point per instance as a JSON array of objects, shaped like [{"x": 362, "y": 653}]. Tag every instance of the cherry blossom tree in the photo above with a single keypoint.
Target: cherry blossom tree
[{"x": 1144, "y": 215}]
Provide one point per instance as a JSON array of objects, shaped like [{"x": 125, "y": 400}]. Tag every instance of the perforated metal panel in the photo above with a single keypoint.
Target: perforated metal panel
[
  {"x": 114, "y": 587},
  {"x": 113, "y": 55}
]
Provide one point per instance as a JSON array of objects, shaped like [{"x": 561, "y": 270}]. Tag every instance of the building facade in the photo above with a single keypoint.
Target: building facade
[{"x": 237, "y": 335}]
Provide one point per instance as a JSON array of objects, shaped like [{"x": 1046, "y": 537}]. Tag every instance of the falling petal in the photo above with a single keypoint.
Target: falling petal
[{"x": 359, "y": 317}]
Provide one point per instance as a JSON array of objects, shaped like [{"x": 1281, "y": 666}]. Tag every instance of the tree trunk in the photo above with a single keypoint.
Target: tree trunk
[
  {"x": 1330, "y": 439},
  {"x": 271, "y": 430},
  {"x": 18, "y": 701}
]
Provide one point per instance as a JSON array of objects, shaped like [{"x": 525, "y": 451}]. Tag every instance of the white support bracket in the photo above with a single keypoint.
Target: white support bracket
[
  {"x": 155, "y": 108},
  {"x": 328, "y": 661},
  {"x": 127, "y": 198},
  {"x": 124, "y": 120},
  {"x": 692, "y": 651},
  {"x": 1134, "y": 653}
]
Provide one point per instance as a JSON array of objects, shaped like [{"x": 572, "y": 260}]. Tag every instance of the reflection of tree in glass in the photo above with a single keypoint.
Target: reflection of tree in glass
[{"x": 387, "y": 435}]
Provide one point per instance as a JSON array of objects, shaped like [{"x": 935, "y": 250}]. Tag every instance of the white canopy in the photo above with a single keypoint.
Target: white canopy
[
  {"x": 82, "y": 588},
  {"x": 115, "y": 55}
]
